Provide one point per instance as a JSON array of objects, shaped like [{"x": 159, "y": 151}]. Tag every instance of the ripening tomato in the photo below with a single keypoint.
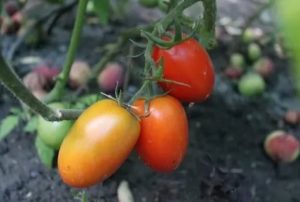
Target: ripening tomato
[
  {"x": 188, "y": 63},
  {"x": 164, "y": 133},
  {"x": 52, "y": 133},
  {"x": 100, "y": 140}
]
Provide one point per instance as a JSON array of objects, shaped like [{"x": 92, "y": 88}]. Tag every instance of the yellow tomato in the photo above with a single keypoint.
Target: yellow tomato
[{"x": 98, "y": 143}]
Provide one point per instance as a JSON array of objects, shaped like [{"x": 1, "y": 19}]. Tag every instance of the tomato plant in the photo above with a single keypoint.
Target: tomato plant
[
  {"x": 188, "y": 63},
  {"x": 53, "y": 133},
  {"x": 162, "y": 145},
  {"x": 98, "y": 143}
]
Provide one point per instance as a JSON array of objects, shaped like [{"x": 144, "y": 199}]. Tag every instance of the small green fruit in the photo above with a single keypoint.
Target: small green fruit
[
  {"x": 254, "y": 51},
  {"x": 237, "y": 60},
  {"x": 251, "y": 85},
  {"x": 248, "y": 36},
  {"x": 53, "y": 133}
]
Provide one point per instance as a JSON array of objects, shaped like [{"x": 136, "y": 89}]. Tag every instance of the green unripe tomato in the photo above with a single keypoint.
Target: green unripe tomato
[
  {"x": 149, "y": 3},
  {"x": 251, "y": 85},
  {"x": 163, "y": 5},
  {"x": 248, "y": 36},
  {"x": 254, "y": 51},
  {"x": 53, "y": 133},
  {"x": 237, "y": 60}
]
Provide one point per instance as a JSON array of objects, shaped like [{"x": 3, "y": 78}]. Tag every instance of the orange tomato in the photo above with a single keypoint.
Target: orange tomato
[
  {"x": 98, "y": 143},
  {"x": 164, "y": 133}
]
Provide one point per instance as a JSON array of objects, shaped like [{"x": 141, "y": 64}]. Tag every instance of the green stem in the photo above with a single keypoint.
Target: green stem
[
  {"x": 140, "y": 91},
  {"x": 114, "y": 48},
  {"x": 59, "y": 88},
  {"x": 169, "y": 18},
  {"x": 209, "y": 22},
  {"x": 14, "y": 84},
  {"x": 209, "y": 17}
]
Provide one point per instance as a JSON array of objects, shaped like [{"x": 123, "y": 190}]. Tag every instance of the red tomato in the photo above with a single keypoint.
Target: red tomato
[
  {"x": 164, "y": 133},
  {"x": 99, "y": 142},
  {"x": 189, "y": 63}
]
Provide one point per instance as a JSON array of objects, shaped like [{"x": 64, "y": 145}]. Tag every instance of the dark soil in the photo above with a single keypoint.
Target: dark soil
[{"x": 225, "y": 161}]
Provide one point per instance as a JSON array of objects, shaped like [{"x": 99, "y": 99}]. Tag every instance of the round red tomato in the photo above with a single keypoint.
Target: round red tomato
[
  {"x": 164, "y": 133},
  {"x": 98, "y": 143},
  {"x": 188, "y": 63}
]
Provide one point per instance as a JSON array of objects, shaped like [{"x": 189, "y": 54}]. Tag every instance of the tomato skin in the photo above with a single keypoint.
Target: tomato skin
[
  {"x": 189, "y": 63},
  {"x": 98, "y": 143},
  {"x": 164, "y": 133},
  {"x": 52, "y": 133}
]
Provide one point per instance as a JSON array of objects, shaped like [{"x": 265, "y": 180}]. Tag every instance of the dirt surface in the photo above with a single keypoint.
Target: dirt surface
[{"x": 225, "y": 161}]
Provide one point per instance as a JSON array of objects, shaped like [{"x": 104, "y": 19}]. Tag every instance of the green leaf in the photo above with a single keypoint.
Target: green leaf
[
  {"x": 31, "y": 125},
  {"x": 7, "y": 125},
  {"x": 45, "y": 153},
  {"x": 102, "y": 9}
]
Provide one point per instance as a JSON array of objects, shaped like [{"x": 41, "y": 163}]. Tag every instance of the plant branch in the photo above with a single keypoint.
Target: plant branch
[
  {"x": 114, "y": 48},
  {"x": 209, "y": 20},
  {"x": 169, "y": 18},
  {"x": 14, "y": 84},
  {"x": 59, "y": 88}
]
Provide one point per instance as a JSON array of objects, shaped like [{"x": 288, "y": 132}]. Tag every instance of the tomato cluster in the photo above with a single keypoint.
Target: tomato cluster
[{"x": 104, "y": 135}]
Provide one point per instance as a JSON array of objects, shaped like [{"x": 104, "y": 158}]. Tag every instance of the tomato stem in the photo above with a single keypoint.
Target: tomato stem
[
  {"x": 140, "y": 91},
  {"x": 59, "y": 88},
  {"x": 13, "y": 83},
  {"x": 114, "y": 48}
]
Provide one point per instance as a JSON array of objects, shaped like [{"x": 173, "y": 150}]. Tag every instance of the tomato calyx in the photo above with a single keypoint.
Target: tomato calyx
[
  {"x": 146, "y": 113},
  {"x": 118, "y": 99}
]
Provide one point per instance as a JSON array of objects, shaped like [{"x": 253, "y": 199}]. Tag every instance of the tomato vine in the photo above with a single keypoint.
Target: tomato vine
[{"x": 176, "y": 9}]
